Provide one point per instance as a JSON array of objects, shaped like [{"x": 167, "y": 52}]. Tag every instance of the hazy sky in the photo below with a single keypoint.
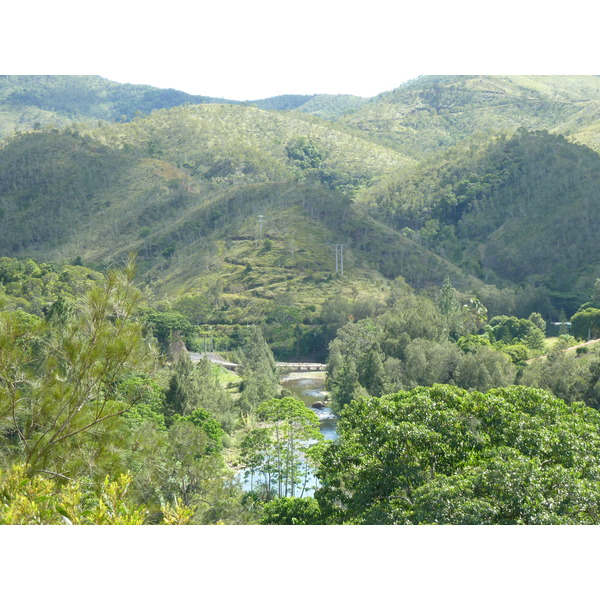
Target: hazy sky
[{"x": 247, "y": 50}]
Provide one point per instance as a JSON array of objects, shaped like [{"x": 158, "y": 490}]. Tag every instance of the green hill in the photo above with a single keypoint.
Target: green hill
[
  {"x": 183, "y": 188},
  {"x": 421, "y": 182},
  {"x": 332, "y": 107},
  {"x": 227, "y": 143},
  {"x": 522, "y": 208},
  {"x": 435, "y": 112},
  {"x": 31, "y": 101}
]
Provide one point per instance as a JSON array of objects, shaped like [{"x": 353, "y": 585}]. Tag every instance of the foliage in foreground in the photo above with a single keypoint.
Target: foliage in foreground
[
  {"x": 292, "y": 511},
  {"x": 79, "y": 404},
  {"x": 445, "y": 455},
  {"x": 41, "y": 501}
]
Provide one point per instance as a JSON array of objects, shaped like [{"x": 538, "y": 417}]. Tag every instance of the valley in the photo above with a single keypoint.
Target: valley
[{"x": 433, "y": 250}]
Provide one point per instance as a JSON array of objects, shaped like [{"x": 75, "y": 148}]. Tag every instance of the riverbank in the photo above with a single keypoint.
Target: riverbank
[{"x": 304, "y": 375}]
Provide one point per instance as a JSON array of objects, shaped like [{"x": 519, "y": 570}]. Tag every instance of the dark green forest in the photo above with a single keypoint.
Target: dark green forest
[{"x": 435, "y": 246}]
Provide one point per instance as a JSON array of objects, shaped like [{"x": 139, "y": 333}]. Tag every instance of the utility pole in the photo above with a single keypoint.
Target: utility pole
[
  {"x": 339, "y": 258},
  {"x": 260, "y": 224}
]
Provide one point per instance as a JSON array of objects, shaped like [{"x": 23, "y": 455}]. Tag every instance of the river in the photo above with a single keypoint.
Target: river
[{"x": 310, "y": 388}]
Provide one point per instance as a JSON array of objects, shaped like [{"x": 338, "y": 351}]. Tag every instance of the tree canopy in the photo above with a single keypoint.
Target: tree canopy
[{"x": 445, "y": 455}]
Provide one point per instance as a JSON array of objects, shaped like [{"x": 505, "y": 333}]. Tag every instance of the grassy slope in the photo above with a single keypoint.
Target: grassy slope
[
  {"x": 332, "y": 107},
  {"x": 237, "y": 142},
  {"x": 432, "y": 112},
  {"x": 183, "y": 188},
  {"x": 301, "y": 223}
]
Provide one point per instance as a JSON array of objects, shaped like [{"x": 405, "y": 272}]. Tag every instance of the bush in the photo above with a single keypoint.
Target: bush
[{"x": 292, "y": 511}]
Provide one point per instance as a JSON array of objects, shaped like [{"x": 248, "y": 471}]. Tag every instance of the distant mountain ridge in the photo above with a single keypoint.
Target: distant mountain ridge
[
  {"x": 28, "y": 101},
  {"x": 420, "y": 116},
  {"x": 435, "y": 112}
]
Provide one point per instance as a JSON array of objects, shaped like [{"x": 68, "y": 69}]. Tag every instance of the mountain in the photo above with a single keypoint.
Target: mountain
[
  {"x": 34, "y": 101},
  {"x": 444, "y": 176},
  {"x": 184, "y": 187},
  {"x": 435, "y": 112},
  {"x": 332, "y": 107},
  {"x": 521, "y": 208},
  {"x": 28, "y": 101}
]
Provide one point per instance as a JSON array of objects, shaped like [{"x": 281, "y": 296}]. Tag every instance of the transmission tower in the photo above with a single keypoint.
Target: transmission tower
[{"x": 339, "y": 258}]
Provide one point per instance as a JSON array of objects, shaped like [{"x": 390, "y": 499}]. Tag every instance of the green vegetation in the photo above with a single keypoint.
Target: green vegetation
[
  {"x": 444, "y": 455},
  {"x": 39, "y": 501},
  {"x": 474, "y": 203},
  {"x": 33, "y": 101},
  {"x": 81, "y": 401},
  {"x": 435, "y": 112},
  {"x": 420, "y": 243},
  {"x": 278, "y": 453}
]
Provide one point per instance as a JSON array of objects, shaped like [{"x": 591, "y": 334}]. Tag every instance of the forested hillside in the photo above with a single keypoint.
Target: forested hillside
[
  {"x": 518, "y": 208},
  {"x": 32, "y": 101},
  {"x": 431, "y": 113},
  {"x": 184, "y": 188}
]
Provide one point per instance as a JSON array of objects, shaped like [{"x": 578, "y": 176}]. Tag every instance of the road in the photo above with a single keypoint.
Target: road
[{"x": 590, "y": 342}]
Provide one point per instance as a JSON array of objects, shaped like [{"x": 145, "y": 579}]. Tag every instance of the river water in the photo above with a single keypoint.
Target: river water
[{"x": 310, "y": 388}]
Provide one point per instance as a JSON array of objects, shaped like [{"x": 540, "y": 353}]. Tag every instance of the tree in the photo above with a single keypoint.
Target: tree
[
  {"x": 510, "y": 330},
  {"x": 258, "y": 371},
  {"x": 60, "y": 404},
  {"x": 585, "y": 324},
  {"x": 291, "y": 511},
  {"x": 344, "y": 384},
  {"x": 281, "y": 450},
  {"x": 214, "y": 432},
  {"x": 183, "y": 387},
  {"x": 258, "y": 455},
  {"x": 163, "y": 324},
  {"x": 445, "y": 455},
  {"x": 196, "y": 386},
  {"x": 305, "y": 153},
  {"x": 595, "y": 295},
  {"x": 538, "y": 321},
  {"x": 448, "y": 302}
]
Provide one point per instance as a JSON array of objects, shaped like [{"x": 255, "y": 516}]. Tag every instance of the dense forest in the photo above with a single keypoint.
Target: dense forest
[{"x": 435, "y": 246}]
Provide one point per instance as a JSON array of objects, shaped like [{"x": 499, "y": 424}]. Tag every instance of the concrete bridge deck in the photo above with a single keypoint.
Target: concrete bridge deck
[
  {"x": 296, "y": 367},
  {"x": 219, "y": 360}
]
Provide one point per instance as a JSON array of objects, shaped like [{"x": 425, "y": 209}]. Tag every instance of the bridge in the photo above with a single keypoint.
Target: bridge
[
  {"x": 217, "y": 359},
  {"x": 297, "y": 367}
]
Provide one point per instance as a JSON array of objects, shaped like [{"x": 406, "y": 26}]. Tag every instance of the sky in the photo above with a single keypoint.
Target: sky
[{"x": 243, "y": 50}]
